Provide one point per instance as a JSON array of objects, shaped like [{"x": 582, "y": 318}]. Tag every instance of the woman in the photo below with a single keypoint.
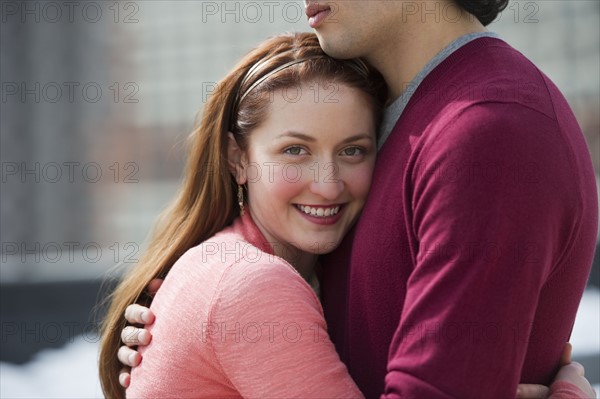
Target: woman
[
  {"x": 235, "y": 314},
  {"x": 279, "y": 170}
]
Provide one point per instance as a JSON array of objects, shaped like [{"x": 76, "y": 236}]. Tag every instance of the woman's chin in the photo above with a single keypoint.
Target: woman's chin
[{"x": 321, "y": 247}]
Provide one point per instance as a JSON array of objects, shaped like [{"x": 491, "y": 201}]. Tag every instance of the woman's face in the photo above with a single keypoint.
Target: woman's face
[{"x": 308, "y": 166}]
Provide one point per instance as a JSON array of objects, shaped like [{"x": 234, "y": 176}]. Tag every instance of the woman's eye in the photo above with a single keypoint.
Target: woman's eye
[
  {"x": 353, "y": 151},
  {"x": 295, "y": 151}
]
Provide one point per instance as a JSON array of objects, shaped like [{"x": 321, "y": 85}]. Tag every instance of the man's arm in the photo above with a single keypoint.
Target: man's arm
[
  {"x": 492, "y": 215},
  {"x": 570, "y": 381}
]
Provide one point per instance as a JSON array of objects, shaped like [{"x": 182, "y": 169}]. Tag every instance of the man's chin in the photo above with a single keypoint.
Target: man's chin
[{"x": 334, "y": 50}]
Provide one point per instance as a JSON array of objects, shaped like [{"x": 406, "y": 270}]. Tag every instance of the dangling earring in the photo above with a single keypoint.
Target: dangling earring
[{"x": 240, "y": 196}]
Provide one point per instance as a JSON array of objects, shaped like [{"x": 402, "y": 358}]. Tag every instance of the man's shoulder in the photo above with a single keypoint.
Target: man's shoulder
[
  {"x": 483, "y": 74},
  {"x": 492, "y": 71}
]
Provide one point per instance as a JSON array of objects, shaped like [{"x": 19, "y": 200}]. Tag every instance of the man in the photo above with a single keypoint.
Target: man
[{"x": 473, "y": 250}]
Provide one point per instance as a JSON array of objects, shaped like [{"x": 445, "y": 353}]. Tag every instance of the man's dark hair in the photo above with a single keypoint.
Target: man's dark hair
[{"x": 486, "y": 11}]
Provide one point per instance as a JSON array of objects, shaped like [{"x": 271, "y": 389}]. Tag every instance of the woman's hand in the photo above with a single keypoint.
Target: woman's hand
[
  {"x": 574, "y": 373},
  {"x": 570, "y": 372},
  {"x": 134, "y": 336}
]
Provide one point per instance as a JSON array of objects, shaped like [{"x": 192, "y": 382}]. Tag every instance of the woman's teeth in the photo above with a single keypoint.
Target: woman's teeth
[{"x": 319, "y": 212}]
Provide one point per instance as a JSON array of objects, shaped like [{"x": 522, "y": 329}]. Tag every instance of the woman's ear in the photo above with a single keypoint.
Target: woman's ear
[{"x": 237, "y": 160}]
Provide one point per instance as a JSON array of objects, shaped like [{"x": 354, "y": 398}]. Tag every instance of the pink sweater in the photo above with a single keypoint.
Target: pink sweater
[{"x": 233, "y": 320}]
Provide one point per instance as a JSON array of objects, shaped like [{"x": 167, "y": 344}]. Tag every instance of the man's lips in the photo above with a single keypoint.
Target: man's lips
[
  {"x": 313, "y": 9},
  {"x": 316, "y": 13}
]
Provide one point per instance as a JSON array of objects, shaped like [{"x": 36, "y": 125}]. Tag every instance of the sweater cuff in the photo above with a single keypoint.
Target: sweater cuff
[{"x": 565, "y": 390}]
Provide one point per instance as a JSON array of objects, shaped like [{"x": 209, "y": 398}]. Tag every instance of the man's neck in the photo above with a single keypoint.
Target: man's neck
[{"x": 415, "y": 44}]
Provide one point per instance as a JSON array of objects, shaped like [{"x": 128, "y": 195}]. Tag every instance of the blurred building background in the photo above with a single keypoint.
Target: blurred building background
[{"x": 97, "y": 99}]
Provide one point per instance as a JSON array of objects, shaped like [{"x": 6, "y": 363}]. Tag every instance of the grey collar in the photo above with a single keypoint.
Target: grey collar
[{"x": 394, "y": 110}]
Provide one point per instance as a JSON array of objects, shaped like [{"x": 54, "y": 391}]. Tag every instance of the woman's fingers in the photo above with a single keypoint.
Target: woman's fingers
[
  {"x": 571, "y": 369},
  {"x": 138, "y": 314},
  {"x": 566, "y": 355},
  {"x": 128, "y": 357},
  {"x": 574, "y": 373},
  {"x": 532, "y": 391},
  {"x": 133, "y": 336}
]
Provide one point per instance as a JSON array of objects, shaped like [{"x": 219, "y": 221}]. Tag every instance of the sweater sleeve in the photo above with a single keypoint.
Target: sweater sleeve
[
  {"x": 493, "y": 195},
  {"x": 565, "y": 390},
  {"x": 270, "y": 337}
]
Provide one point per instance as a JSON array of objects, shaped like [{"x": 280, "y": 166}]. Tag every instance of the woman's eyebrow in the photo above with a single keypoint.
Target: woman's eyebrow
[
  {"x": 358, "y": 137},
  {"x": 307, "y": 137},
  {"x": 297, "y": 135}
]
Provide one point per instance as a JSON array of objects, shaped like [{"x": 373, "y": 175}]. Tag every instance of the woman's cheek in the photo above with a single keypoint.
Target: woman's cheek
[
  {"x": 254, "y": 172},
  {"x": 288, "y": 180},
  {"x": 358, "y": 180}
]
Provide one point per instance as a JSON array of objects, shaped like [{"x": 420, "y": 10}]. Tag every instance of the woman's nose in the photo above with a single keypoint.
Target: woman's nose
[{"x": 326, "y": 181}]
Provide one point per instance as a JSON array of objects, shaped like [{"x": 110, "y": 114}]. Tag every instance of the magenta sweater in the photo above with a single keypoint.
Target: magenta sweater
[{"x": 463, "y": 275}]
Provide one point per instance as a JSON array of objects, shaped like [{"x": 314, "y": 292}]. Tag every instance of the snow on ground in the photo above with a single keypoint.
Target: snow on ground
[
  {"x": 71, "y": 372},
  {"x": 68, "y": 372},
  {"x": 586, "y": 332}
]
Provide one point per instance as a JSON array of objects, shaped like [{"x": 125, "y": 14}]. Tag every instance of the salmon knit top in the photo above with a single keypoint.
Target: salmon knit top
[{"x": 233, "y": 320}]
